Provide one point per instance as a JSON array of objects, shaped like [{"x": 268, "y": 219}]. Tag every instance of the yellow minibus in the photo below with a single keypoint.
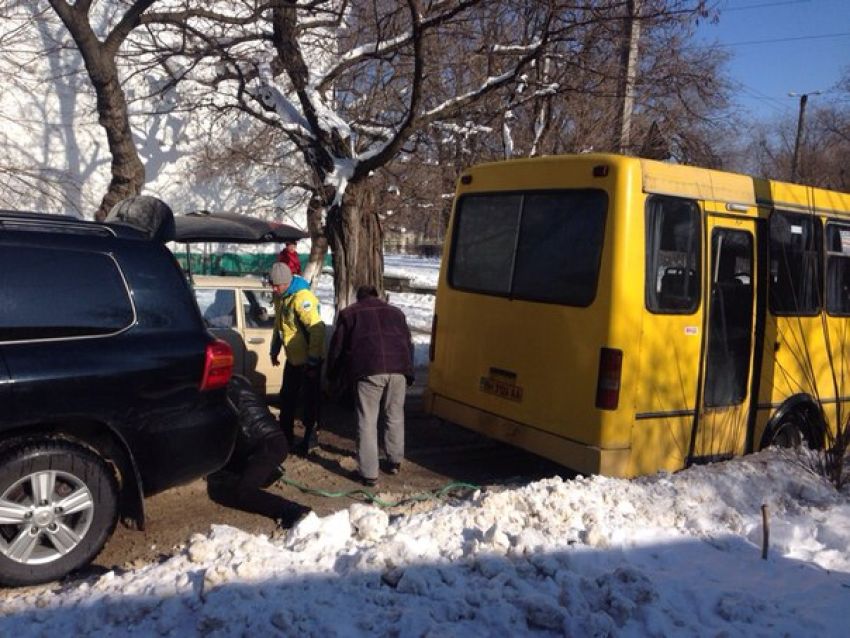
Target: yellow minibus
[{"x": 622, "y": 316}]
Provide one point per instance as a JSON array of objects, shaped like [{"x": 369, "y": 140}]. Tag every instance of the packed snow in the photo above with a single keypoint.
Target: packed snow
[
  {"x": 659, "y": 556},
  {"x": 666, "y": 555}
]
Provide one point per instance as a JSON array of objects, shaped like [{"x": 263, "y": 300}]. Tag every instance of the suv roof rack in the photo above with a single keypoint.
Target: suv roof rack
[{"x": 54, "y": 223}]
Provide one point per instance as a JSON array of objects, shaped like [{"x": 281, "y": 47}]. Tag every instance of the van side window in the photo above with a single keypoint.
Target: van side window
[
  {"x": 61, "y": 293},
  {"x": 485, "y": 239},
  {"x": 258, "y": 308},
  {"x": 673, "y": 255},
  {"x": 838, "y": 269},
  {"x": 217, "y": 306},
  {"x": 795, "y": 272},
  {"x": 536, "y": 246}
]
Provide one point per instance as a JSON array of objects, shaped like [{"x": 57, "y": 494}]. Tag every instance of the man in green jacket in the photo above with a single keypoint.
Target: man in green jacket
[{"x": 299, "y": 328}]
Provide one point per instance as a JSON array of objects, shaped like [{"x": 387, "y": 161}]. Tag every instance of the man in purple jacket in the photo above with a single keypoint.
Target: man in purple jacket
[{"x": 372, "y": 350}]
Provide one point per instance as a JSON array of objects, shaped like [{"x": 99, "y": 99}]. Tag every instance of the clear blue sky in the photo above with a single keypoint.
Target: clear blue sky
[{"x": 780, "y": 46}]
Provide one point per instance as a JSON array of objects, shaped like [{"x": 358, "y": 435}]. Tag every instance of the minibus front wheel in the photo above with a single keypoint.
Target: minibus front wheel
[{"x": 799, "y": 421}]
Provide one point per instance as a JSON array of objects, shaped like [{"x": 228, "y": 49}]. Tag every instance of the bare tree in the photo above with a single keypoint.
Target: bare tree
[
  {"x": 99, "y": 56},
  {"x": 348, "y": 84},
  {"x": 824, "y": 143},
  {"x": 566, "y": 100},
  {"x": 680, "y": 95}
]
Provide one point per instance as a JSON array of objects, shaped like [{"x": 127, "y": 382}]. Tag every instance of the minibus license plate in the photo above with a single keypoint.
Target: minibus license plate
[{"x": 501, "y": 389}]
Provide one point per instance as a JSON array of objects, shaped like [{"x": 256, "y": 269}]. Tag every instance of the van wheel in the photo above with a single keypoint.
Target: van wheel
[
  {"x": 794, "y": 429},
  {"x": 58, "y": 506}
]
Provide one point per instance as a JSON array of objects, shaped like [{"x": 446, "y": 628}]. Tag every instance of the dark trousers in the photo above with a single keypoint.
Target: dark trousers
[{"x": 294, "y": 382}]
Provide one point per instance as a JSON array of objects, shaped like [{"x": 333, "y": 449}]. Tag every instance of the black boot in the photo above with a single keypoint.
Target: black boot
[
  {"x": 289, "y": 433},
  {"x": 307, "y": 444}
]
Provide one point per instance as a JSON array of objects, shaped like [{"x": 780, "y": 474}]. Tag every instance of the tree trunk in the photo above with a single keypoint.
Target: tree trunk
[
  {"x": 318, "y": 241},
  {"x": 128, "y": 172},
  {"x": 356, "y": 241}
]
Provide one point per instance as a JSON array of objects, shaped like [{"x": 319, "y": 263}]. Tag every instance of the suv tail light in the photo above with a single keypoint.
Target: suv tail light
[
  {"x": 608, "y": 382},
  {"x": 218, "y": 367},
  {"x": 432, "y": 347}
]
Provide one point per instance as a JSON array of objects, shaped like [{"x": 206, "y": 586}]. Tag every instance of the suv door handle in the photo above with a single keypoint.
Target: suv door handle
[{"x": 256, "y": 340}]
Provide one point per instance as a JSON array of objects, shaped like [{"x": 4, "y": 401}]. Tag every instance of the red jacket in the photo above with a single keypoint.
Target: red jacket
[
  {"x": 370, "y": 337},
  {"x": 291, "y": 260}
]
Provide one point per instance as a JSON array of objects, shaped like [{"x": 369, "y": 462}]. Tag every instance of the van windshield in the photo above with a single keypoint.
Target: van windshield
[{"x": 536, "y": 245}]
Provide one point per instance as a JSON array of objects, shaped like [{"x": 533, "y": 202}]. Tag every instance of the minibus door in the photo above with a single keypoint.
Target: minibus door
[{"x": 727, "y": 363}]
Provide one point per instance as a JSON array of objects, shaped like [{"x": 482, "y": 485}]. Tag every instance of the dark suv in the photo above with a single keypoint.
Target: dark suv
[{"x": 111, "y": 388}]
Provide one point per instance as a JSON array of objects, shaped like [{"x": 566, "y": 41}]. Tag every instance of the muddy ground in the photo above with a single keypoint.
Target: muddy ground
[{"x": 437, "y": 453}]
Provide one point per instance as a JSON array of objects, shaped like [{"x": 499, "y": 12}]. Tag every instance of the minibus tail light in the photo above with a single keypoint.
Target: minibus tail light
[
  {"x": 608, "y": 382},
  {"x": 218, "y": 365},
  {"x": 433, "y": 345}
]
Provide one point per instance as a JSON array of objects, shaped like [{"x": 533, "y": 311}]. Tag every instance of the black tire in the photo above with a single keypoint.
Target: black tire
[
  {"x": 148, "y": 214},
  {"x": 62, "y": 540},
  {"x": 258, "y": 428},
  {"x": 796, "y": 427}
]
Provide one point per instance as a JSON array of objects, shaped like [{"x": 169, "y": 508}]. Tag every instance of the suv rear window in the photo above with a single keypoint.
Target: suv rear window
[
  {"x": 537, "y": 246},
  {"x": 60, "y": 293}
]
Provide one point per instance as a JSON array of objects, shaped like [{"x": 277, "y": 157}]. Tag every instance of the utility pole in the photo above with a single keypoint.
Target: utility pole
[
  {"x": 804, "y": 98},
  {"x": 628, "y": 71}
]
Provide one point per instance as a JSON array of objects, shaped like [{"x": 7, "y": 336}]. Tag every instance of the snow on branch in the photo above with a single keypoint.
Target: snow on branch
[
  {"x": 371, "y": 49},
  {"x": 272, "y": 97},
  {"x": 514, "y": 49},
  {"x": 459, "y": 100},
  {"x": 467, "y": 129},
  {"x": 379, "y": 48},
  {"x": 489, "y": 84},
  {"x": 338, "y": 179},
  {"x": 326, "y": 117}
]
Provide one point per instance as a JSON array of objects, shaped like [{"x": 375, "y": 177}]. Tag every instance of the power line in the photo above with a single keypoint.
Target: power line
[
  {"x": 764, "y": 5},
  {"x": 778, "y": 106},
  {"x": 728, "y": 45},
  {"x": 792, "y": 39}
]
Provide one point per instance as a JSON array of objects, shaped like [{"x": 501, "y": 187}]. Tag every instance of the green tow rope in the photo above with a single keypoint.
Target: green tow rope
[{"x": 361, "y": 494}]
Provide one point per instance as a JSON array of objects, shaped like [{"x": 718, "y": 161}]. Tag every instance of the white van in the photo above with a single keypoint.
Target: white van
[{"x": 239, "y": 310}]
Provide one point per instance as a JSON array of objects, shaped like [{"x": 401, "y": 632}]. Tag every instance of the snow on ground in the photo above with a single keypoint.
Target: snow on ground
[
  {"x": 668, "y": 555},
  {"x": 423, "y": 271}
]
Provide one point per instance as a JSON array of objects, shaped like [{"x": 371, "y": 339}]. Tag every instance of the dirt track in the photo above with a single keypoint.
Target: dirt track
[{"x": 437, "y": 453}]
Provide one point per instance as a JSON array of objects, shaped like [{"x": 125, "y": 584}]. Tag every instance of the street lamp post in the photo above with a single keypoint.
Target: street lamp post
[{"x": 804, "y": 98}]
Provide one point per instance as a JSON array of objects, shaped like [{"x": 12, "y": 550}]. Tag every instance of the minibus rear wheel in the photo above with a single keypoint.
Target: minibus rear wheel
[{"x": 795, "y": 427}]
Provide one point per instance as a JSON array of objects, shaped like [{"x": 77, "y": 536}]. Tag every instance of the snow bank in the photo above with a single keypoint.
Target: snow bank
[{"x": 665, "y": 555}]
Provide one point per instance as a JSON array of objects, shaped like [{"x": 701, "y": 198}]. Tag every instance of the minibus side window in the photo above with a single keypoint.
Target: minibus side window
[
  {"x": 795, "y": 273},
  {"x": 673, "y": 255},
  {"x": 838, "y": 269},
  {"x": 485, "y": 239}
]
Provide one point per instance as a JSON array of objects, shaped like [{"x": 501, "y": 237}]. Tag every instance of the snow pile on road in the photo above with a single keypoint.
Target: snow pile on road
[{"x": 664, "y": 555}]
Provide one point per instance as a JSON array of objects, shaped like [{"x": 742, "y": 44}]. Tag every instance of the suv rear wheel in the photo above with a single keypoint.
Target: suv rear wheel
[{"x": 58, "y": 506}]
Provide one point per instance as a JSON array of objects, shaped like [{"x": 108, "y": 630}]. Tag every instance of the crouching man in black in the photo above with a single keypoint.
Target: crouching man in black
[{"x": 261, "y": 448}]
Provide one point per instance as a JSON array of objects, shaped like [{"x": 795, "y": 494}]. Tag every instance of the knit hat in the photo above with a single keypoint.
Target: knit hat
[{"x": 280, "y": 275}]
